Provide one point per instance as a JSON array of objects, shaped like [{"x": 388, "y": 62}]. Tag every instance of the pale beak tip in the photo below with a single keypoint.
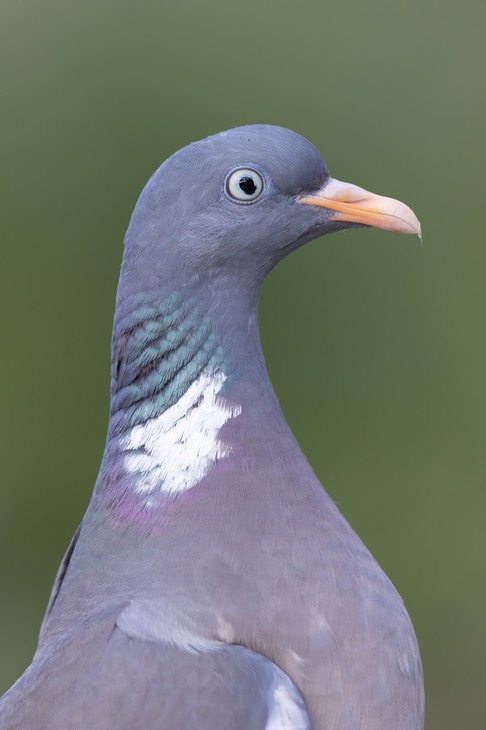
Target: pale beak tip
[{"x": 413, "y": 222}]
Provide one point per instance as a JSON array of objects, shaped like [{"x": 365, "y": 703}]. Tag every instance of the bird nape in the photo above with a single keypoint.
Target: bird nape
[{"x": 212, "y": 583}]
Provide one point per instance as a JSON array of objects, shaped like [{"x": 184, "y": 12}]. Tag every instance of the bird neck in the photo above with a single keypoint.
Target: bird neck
[
  {"x": 159, "y": 351},
  {"x": 183, "y": 370}
]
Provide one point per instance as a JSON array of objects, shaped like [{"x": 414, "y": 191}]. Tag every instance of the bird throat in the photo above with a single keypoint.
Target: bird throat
[{"x": 167, "y": 402}]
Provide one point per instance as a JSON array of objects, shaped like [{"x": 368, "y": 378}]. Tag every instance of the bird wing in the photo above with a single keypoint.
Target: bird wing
[
  {"x": 101, "y": 677},
  {"x": 61, "y": 573}
]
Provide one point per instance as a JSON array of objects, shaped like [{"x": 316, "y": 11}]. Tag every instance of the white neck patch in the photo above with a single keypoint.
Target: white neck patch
[
  {"x": 174, "y": 451},
  {"x": 287, "y": 709}
]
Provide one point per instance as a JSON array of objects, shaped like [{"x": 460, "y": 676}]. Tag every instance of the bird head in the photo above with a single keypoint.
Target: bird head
[{"x": 239, "y": 201}]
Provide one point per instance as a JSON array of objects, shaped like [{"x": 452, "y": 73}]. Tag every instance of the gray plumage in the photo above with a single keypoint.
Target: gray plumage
[{"x": 212, "y": 582}]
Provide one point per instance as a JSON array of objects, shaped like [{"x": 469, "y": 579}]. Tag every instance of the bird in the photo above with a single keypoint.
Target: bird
[{"x": 213, "y": 583}]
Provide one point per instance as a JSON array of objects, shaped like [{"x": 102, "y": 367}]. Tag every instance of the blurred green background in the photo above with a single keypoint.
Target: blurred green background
[{"x": 374, "y": 341}]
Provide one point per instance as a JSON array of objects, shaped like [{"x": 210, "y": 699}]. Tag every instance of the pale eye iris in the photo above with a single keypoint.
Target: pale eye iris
[{"x": 244, "y": 184}]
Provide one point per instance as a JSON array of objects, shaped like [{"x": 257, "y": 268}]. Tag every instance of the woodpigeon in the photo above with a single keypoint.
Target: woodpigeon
[{"x": 213, "y": 583}]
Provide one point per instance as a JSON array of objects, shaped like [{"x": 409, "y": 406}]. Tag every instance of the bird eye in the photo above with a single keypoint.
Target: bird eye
[{"x": 244, "y": 184}]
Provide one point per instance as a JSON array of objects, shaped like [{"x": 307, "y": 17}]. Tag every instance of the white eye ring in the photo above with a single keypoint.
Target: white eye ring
[{"x": 244, "y": 184}]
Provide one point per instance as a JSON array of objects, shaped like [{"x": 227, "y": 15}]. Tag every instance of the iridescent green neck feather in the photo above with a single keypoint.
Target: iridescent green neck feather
[{"x": 158, "y": 351}]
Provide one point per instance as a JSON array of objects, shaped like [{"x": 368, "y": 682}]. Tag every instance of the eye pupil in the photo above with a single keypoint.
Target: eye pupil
[{"x": 247, "y": 184}]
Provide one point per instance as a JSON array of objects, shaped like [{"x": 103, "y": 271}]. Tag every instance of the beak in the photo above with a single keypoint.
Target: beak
[{"x": 355, "y": 205}]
